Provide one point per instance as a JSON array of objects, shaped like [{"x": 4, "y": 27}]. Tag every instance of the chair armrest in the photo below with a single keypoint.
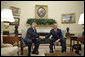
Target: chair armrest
[
  {"x": 22, "y": 42},
  {"x": 7, "y": 45}
]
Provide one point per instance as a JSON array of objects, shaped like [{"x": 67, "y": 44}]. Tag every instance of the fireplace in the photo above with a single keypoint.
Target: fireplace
[
  {"x": 46, "y": 41},
  {"x": 43, "y": 31}
]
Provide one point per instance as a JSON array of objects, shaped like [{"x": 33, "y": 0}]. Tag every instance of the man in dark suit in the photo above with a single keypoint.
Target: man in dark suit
[
  {"x": 56, "y": 37},
  {"x": 32, "y": 37}
]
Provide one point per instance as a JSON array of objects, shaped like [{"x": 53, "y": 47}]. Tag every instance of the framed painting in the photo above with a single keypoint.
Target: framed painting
[
  {"x": 15, "y": 11},
  {"x": 41, "y": 11},
  {"x": 17, "y": 21},
  {"x": 68, "y": 18}
]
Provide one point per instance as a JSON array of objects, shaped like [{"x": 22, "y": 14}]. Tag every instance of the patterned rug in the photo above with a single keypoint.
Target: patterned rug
[{"x": 61, "y": 54}]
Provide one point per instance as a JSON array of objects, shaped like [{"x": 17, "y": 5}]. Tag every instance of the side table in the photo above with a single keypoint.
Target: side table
[
  {"x": 12, "y": 40},
  {"x": 78, "y": 39}
]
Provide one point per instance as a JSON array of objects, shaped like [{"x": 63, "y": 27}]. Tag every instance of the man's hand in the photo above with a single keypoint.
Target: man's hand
[
  {"x": 41, "y": 37},
  {"x": 57, "y": 40}
]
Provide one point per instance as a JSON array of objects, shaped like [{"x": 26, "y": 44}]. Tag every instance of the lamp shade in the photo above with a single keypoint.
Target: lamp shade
[
  {"x": 6, "y": 15},
  {"x": 81, "y": 19}
]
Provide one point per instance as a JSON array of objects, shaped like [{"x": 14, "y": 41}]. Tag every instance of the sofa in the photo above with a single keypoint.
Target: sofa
[{"x": 8, "y": 49}]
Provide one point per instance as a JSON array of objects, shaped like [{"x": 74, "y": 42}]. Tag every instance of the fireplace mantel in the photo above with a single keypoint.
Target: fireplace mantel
[
  {"x": 44, "y": 25},
  {"x": 44, "y": 29}
]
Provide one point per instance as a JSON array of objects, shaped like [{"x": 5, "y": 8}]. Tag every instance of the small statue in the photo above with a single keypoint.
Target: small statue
[{"x": 67, "y": 30}]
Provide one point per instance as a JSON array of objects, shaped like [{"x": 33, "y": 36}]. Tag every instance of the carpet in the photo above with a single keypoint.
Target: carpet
[{"x": 61, "y": 54}]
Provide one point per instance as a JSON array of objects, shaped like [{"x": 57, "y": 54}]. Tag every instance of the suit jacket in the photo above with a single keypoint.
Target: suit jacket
[
  {"x": 52, "y": 32},
  {"x": 31, "y": 34}
]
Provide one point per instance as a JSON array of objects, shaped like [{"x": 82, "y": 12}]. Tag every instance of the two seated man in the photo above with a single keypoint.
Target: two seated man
[{"x": 33, "y": 37}]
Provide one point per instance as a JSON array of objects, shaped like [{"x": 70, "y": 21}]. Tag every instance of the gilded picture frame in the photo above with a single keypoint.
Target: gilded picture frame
[
  {"x": 15, "y": 11},
  {"x": 41, "y": 11},
  {"x": 68, "y": 18},
  {"x": 17, "y": 21}
]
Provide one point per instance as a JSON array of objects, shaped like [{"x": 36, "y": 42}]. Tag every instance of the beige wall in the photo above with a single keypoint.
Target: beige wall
[{"x": 55, "y": 10}]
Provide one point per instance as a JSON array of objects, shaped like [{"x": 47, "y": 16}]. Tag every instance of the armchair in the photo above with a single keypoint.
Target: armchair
[
  {"x": 22, "y": 40},
  {"x": 64, "y": 38}
]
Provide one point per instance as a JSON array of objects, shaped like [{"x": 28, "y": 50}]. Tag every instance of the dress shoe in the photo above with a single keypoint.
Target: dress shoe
[
  {"x": 51, "y": 51},
  {"x": 63, "y": 51},
  {"x": 36, "y": 52}
]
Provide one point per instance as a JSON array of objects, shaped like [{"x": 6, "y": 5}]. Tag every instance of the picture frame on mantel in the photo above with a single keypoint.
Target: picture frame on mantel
[
  {"x": 68, "y": 18},
  {"x": 15, "y": 11},
  {"x": 17, "y": 21},
  {"x": 41, "y": 11}
]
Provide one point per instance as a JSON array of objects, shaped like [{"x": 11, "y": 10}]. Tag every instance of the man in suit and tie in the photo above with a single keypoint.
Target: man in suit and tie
[
  {"x": 32, "y": 37},
  {"x": 56, "y": 37}
]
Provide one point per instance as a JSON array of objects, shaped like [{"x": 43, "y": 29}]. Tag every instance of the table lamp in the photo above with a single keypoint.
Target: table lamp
[
  {"x": 6, "y": 16},
  {"x": 81, "y": 20}
]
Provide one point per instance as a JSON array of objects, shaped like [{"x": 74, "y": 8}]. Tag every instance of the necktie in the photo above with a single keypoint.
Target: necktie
[
  {"x": 55, "y": 32},
  {"x": 34, "y": 30},
  {"x": 56, "y": 36}
]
